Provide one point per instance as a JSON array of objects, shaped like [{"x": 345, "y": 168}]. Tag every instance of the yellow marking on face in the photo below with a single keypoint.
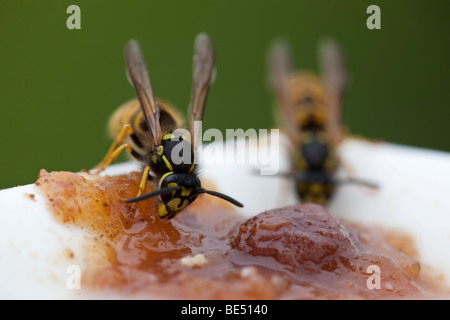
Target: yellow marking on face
[
  {"x": 154, "y": 159},
  {"x": 185, "y": 192},
  {"x": 162, "y": 210},
  {"x": 174, "y": 204}
]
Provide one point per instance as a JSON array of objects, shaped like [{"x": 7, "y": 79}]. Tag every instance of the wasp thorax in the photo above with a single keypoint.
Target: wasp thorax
[
  {"x": 174, "y": 154},
  {"x": 315, "y": 153},
  {"x": 188, "y": 189}
]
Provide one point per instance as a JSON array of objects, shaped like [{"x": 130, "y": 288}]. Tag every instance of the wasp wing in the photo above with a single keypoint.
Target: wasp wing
[
  {"x": 334, "y": 75},
  {"x": 138, "y": 76},
  {"x": 280, "y": 71},
  {"x": 203, "y": 76}
]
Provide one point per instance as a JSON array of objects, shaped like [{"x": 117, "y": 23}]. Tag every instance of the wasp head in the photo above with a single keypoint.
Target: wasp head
[{"x": 186, "y": 189}]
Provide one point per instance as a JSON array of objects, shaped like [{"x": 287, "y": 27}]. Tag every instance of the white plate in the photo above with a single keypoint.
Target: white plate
[{"x": 38, "y": 253}]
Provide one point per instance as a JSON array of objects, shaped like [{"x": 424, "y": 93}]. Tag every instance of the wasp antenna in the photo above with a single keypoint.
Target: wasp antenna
[
  {"x": 285, "y": 174},
  {"x": 357, "y": 181},
  {"x": 222, "y": 196},
  {"x": 153, "y": 194}
]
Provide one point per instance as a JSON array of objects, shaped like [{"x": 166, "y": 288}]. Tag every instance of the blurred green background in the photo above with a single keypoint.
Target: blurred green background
[{"x": 59, "y": 86}]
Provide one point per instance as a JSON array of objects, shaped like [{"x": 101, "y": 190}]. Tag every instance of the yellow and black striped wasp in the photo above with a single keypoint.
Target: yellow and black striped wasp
[
  {"x": 310, "y": 109},
  {"x": 151, "y": 130}
]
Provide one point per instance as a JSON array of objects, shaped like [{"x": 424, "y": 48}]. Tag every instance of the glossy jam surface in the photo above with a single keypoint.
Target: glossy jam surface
[{"x": 210, "y": 252}]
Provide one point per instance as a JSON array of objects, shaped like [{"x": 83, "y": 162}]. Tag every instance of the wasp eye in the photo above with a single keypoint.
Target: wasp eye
[
  {"x": 166, "y": 197},
  {"x": 168, "y": 181}
]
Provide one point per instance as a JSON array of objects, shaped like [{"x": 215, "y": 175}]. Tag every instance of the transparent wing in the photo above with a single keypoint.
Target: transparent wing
[
  {"x": 138, "y": 76},
  {"x": 203, "y": 76},
  {"x": 280, "y": 69},
  {"x": 334, "y": 75}
]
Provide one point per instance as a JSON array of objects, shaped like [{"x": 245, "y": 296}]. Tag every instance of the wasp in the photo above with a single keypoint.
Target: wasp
[
  {"x": 310, "y": 110},
  {"x": 150, "y": 130}
]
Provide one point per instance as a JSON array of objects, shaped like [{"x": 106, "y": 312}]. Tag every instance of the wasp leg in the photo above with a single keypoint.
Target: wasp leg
[
  {"x": 352, "y": 176},
  {"x": 143, "y": 180},
  {"x": 112, "y": 156},
  {"x": 114, "y": 151}
]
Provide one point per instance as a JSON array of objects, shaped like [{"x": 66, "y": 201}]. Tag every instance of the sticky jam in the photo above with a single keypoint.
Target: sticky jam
[{"x": 209, "y": 251}]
